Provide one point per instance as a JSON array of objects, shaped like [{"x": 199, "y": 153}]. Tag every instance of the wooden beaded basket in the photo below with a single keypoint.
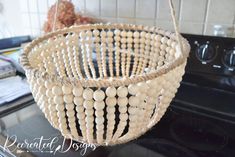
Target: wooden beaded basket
[{"x": 105, "y": 83}]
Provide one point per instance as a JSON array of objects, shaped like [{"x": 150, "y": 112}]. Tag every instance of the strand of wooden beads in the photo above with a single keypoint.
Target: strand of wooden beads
[
  {"x": 110, "y": 50},
  {"x": 123, "y": 50},
  {"x": 122, "y": 108},
  {"x": 89, "y": 111},
  {"x": 76, "y": 54},
  {"x": 129, "y": 49},
  {"x": 111, "y": 103},
  {"x": 133, "y": 89},
  {"x": 68, "y": 99},
  {"x": 64, "y": 56},
  {"x": 133, "y": 112},
  {"x": 151, "y": 63},
  {"x": 161, "y": 53},
  {"x": 140, "y": 63},
  {"x": 44, "y": 56},
  {"x": 163, "y": 49},
  {"x": 146, "y": 52},
  {"x": 142, "y": 95},
  {"x": 96, "y": 34},
  {"x": 156, "y": 50},
  {"x": 89, "y": 52},
  {"x": 171, "y": 51},
  {"x": 99, "y": 114},
  {"x": 103, "y": 52},
  {"x": 58, "y": 100},
  {"x": 78, "y": 101},
  {"x": 38, "y": 93},
  {"x": 117, "y": 39},
  {"x": 66, "y": 63},
  {"x": 84, "y": 54},
  {"x": 51, "y": 104},
  {"x": 70, "y": 55},
  {"x": 58, "y": 65},
  {"x": 136, "y": 52}
]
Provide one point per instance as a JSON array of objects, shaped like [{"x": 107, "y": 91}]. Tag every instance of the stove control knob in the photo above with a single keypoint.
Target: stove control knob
[
  {"x": 205, "y": 53},
  {"x": 229, "y": 58}
]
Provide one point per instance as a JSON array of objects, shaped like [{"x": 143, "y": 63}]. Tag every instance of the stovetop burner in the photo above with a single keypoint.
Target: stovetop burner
[{"x": 198, "y": 134}]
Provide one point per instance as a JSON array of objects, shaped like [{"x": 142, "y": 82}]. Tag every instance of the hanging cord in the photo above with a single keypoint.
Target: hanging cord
[
  {"x": 176, "y": 25},
  {"x": 55, "y": 16}
]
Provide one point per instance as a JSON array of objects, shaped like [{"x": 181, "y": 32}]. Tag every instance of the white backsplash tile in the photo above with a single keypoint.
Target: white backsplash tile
[
  {"x": 195, "y": 17},
  {"x": 145, "y": 9},
  {"x": 42, "y": 6},
  {"x": 108, "y": 20},
  {"x": 192, "y": 28},
  {"x": 193, "y": 12},
  {"x": 25, "y": 20},
  {"x": 221, "y": 11},
  {"x": 80, "y": 5},
  {"x": 43, "y": 18},
  {"x": 166, "y": 25},
  {"x": 209, "y": 28},
  {"x": 126, "y": 8},
  {"x": 92, "y": 7},
  {"x": 145, "y": 22},
  {"x": 126, "y": 20},
  {"x": 33, "y": 8},
  {"x": 163, "y": 9},
  {"x": 35, "y": 23},
  {"x": 108, "y": 8},
  {"x": 24, "y": 6}
]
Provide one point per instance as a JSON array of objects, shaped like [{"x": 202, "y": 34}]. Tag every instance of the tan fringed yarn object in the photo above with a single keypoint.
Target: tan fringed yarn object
[{"x": 105, "y": 83}]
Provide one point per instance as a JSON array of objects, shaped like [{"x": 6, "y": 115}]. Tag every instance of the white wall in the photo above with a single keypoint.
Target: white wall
[
  {"x": 195, "y": 16},
  {"x": 10, "y": 18}
]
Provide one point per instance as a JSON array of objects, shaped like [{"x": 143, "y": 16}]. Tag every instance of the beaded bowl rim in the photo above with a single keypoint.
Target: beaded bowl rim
[{"x": 109, "y": 81}]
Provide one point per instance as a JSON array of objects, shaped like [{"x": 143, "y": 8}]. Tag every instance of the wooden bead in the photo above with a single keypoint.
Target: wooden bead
[
  {"x": 77, "y": 91},
  {"x": 79, "y": 109},
  {"x": 68, "y": 98},
  {"x": 132, "y": 110},
  {"x": 56, "y": 90},
  {"x": 122, "y": 101},
  {"x": 111, "y": 101},
  {"x": 122, "y": 91},
  {"x": 117, "y": 32},
  {"x": 49, "y": 93},
  {"x": 99, "y": 113},
  {"x": 67, "y": 89},
  {"x": 111, "y": 91},
  {"x": 70, "y": 113},
  {"x": 136, "y": 34},
  {"x": 123, "y": 116},
  {"x": 111, "y": 109},
  {"x": 96, "y": 32},
  {"x": 81, "y": 115},
  {"x": 88, "y": 94},
  {"x": 99, "y": 95},
  {"x": 99, "y": 120},
  {"x": 88, "y": 104},
  {"x": 78, "y": 100},
  {"x": 60, "y": 107},
  {"x": 58, "y": 100},
  {"x": 133, "y": 89},
  {"x": 122, "y": 109},
  {"x": 89, "y": 112},
  {"x": 134, "y": 101},
  {"x": 99, "y": 105},
  {"x": 143, "y": 87}
]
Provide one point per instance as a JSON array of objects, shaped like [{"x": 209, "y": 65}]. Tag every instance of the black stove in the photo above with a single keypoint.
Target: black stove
[{"x": 200, "y": 121}]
